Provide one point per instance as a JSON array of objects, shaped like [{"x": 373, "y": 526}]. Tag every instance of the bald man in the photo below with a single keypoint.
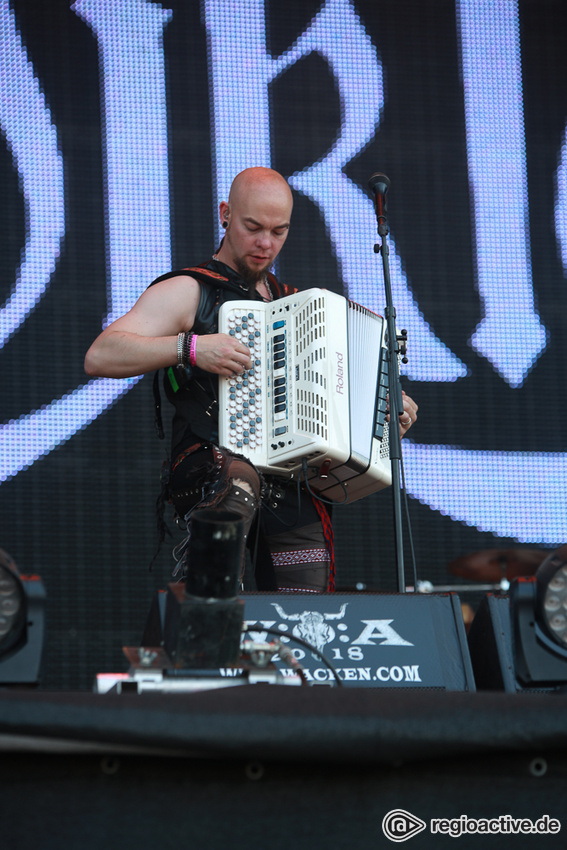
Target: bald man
[{"x": 174, "y": 326}]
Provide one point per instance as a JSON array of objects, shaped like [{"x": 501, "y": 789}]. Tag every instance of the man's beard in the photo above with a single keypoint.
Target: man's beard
[{"x": 250, "y": 276}]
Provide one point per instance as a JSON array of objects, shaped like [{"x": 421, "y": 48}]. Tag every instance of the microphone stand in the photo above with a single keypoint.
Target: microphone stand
[{"x": 379, "y": 184}]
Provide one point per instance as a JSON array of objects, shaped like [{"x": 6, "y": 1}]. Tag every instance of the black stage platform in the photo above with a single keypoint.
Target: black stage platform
[{"x": 272, "y": 766}]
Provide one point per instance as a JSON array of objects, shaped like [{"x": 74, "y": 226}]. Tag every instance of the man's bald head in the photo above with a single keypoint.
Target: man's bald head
[
  {"x": 256, "y": 217},
  {"x": 253, "y": 183}
]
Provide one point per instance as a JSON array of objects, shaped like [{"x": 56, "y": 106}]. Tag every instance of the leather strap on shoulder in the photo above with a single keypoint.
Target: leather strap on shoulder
[{"x": 280, "y": 289}]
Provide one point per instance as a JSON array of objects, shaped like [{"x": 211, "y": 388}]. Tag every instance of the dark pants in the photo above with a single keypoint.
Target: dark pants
[{"x": 288, "y": 523}]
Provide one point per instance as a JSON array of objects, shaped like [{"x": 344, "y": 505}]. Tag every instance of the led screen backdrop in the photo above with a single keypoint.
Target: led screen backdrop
[{"x": 123, "y": 123}]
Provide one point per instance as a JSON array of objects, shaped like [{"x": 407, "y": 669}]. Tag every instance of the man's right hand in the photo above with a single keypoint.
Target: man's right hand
[{"x": 222, "y": 355}]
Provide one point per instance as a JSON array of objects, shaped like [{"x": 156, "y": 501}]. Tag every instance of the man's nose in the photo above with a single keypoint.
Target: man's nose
[{"x": 264, "y": 240}]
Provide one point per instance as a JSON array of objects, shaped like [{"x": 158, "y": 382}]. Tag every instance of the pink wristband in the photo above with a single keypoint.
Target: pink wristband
[{"x": 192, "y": 351}]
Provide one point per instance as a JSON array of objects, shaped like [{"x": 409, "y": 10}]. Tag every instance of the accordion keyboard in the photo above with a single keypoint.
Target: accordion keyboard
[{"x": 247, "y": 392}]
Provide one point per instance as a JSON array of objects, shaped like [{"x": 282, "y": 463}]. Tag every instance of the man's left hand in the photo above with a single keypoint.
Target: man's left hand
[{"x": 409, "y": 414}]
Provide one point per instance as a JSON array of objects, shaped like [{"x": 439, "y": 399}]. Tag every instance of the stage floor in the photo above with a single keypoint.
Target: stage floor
[{"x": 274, "y": 767}]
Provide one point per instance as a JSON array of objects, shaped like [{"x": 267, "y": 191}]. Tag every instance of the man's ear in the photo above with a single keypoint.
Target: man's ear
[{"x": 224, "y": 211}]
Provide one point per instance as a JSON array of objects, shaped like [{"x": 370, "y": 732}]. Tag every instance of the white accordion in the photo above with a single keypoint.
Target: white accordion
[{"x": 316, "y": 392}]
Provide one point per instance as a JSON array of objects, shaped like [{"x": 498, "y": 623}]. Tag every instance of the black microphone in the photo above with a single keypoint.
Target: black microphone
[{"x": 379, "y": 184}]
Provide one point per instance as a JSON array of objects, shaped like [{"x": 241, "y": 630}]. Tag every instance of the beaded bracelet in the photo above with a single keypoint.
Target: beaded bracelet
[{"x": 187, "y": 349}]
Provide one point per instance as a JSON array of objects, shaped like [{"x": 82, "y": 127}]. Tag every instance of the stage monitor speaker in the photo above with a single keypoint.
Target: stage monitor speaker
[
  {"x": 490, "y": 645},
  {"x": 371, "y": 640}
]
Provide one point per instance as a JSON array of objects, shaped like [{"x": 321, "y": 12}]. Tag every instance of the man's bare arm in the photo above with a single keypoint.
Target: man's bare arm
[{"x": 145, "y": 339}]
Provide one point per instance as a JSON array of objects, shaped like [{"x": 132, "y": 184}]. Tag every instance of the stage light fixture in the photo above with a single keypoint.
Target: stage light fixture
[
  {"x": 538, "y": 607},
  {"x": 21, "y": 624},
  {"x": 552, "y": 598},
  {"x": 12, "y": 604}
]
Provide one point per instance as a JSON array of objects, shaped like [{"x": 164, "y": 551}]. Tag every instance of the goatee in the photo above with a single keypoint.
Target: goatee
[{"x": 249, "y": 276}]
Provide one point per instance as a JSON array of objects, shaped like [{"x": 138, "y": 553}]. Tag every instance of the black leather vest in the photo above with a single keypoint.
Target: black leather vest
[{"x": 192, "y": 391}]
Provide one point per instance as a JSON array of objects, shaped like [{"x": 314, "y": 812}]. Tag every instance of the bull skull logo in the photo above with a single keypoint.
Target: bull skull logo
[{"x": 312, "y": 626}]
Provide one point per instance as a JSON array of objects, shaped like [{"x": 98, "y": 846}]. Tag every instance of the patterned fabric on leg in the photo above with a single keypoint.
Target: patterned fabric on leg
[{"x": 301, "y": 559}]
